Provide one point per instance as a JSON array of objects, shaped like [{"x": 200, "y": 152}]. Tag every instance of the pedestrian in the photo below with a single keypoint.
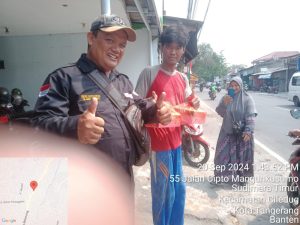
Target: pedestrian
[
  {"x": 168, "y": 198},
  {"x": 6, "y": 108},
  {"x": 235, "y": 145},
  {"x": 71, "y": 104},
  {"x": 18, "y": 101}
]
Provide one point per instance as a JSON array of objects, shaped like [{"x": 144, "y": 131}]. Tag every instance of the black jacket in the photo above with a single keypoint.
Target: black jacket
[{"x": 66, "y": 94}]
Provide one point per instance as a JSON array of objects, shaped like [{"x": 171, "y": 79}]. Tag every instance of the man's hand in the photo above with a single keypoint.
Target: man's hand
[
  {"x": 163, "y": 113},
  {"x": 90, "y": 127},
  {"x": 195, "y": 102}
]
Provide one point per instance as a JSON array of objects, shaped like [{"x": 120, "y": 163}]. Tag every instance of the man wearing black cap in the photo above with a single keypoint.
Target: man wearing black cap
[{"x": 71, "y": 104}]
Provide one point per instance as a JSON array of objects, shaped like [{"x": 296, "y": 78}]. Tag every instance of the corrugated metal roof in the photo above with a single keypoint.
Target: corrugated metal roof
[
  {"x": 144, "y": 10},
  {"x": 276, "y": 55}
]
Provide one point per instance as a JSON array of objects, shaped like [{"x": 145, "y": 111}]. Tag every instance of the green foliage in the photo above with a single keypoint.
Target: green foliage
[
  {"x": 237, "y": 67},
  {"x": 209, "y": 64}
]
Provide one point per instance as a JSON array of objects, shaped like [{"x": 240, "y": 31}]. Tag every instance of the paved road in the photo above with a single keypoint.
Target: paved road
[{"x": 273, "y": 121}]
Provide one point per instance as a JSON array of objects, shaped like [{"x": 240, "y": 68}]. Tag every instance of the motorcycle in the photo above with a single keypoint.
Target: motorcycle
[
  {"x": 212, "y": 95},
  {"x": 293, "y": 182},
  {"x": 219, "y": 88},
  {"x": 264, "y": 88},
  {"x": 246, "y": 88},
  {"x": 195, "y": 148},
  {"x": 201, "y": 87},
  {"x": 272, "y": 89},
  {"x": 17, "y": 117}
]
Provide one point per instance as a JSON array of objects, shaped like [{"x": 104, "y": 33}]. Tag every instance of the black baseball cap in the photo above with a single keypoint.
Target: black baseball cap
[{"x": 112, "y": 23}]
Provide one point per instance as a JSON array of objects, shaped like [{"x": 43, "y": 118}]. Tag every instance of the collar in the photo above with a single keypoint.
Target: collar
[
  {"x": 85, "y": 64},
  {"x": 168, "y": 72}
]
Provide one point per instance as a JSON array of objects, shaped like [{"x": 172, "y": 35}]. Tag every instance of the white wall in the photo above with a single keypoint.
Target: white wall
[
  {"x": 137, "y": 56},
  {"x": 155, "y": 55},
  {"x": 29, "y": 59}
]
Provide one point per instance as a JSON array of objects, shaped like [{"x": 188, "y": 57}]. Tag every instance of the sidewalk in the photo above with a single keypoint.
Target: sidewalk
[{"x": 260, "y": 202}]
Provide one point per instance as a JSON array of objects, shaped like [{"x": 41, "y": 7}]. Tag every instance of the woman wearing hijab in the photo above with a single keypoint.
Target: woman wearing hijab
[{"x": 235, "y": 145}]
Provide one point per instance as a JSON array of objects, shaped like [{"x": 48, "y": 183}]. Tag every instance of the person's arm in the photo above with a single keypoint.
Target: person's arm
[
  {"x": 249, "y": 123},
  {"x": 53, "y": 105},
  {"x": 143, "y": 83},
  {"x": 221, "y": 108},
  {"x": 155, "y": 109},
  {"x": 194, "y": 101},
  {"x": 53, "y": 112},
  {"x": 190, "y": 97},
  {"x": 249, "y": 127}
]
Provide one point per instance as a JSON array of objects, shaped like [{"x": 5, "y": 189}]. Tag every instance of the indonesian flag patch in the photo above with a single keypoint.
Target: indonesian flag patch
[{"x": 44, "y": 90}]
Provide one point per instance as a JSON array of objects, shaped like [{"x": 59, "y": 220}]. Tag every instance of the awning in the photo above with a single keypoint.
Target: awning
[{"x": 264, "y": 76}]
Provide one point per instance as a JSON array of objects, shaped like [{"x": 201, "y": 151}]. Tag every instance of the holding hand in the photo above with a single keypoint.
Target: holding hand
[
  {"x": 246, "y": 136},
  {"x": 294, "y": 133},
  {"x": 227, "y": 99},
  {"x": 195, "y": 101},
  {"x": 90, "y": 127},
  {"x": 163, "y": 113}
]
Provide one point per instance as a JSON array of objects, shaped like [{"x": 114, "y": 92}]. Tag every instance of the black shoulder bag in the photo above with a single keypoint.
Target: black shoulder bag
[{"x": 132, "y": 117}]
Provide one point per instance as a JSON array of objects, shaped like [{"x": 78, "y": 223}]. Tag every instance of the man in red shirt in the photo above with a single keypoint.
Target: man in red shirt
[{"x": 168, "y": 198}]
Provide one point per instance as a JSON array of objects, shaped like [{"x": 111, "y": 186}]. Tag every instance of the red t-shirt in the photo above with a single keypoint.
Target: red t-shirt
[{"x": 168, "y": 138}]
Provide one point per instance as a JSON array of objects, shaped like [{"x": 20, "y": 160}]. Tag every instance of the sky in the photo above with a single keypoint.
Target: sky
[{"x": 244, "y": 30}]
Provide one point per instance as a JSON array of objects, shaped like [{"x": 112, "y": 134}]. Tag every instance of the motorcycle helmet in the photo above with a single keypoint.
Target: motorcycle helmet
[
  {"x": 16, "y": 96},
  {"x": 16, "y": 91},
  {"x": 4, "y": 96}
]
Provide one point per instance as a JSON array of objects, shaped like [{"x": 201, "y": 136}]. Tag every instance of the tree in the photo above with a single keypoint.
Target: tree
[
  {"x": 237, "y": 67},
  {"x": 209, "y": 64}
]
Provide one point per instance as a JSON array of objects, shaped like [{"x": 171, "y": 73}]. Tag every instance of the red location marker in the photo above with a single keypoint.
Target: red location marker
[{"x": 33, "y": 184}]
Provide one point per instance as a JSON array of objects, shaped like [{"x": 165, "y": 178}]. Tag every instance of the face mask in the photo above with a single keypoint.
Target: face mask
[{"x": 231, "y": 92}]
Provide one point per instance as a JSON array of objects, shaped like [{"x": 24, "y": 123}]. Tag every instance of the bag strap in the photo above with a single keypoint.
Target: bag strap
[{"x": 112, "y": 95}]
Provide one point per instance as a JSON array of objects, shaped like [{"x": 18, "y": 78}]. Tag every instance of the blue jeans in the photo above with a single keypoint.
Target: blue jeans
[{"x": 168, "y": 193}]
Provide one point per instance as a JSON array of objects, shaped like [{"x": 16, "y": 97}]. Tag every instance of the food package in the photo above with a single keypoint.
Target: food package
[
  {"x": 183, "y": 114},
  {"x": 189, "y": 115}
]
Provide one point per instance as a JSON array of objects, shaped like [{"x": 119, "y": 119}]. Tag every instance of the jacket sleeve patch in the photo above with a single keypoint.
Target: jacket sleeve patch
[{"x": 44, "y": 90}]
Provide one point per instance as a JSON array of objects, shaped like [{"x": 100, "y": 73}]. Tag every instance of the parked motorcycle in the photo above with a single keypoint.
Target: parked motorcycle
[
  {"x": 269, "y": 89},
  {"x": 5, "y": 106},
  {"x": 18, "y": 101},
  {"x": 272, "y": 89},
  {"x": 293, "y": 182},
  {"x": 264, "y": 88},
  {"x": 195, "y": 148},
  {"x": 17, "y": 117}
]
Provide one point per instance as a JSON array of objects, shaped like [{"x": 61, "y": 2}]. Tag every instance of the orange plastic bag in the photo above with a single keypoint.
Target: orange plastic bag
[
  {"x": 189, "y": 115},
  {"x": 183, "y": 114}
]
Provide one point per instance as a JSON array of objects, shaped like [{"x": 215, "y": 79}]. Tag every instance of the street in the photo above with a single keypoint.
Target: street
[
  {"x": 272, "y": 123},
  {"x": 263, "y": 200}
]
